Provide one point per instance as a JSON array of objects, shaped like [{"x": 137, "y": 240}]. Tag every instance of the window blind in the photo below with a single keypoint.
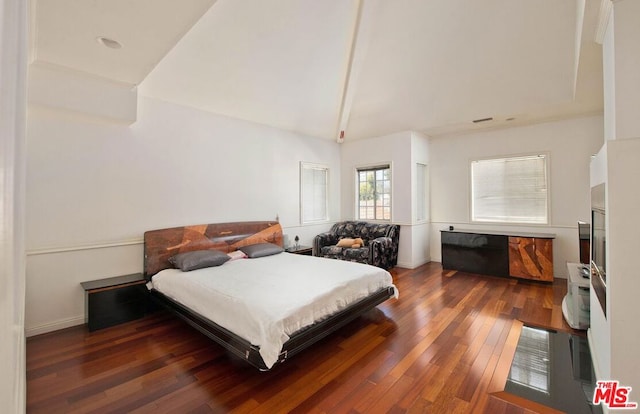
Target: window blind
[
  {"x": 512, "y": 190},
  {"x": 314, "y": 193}
]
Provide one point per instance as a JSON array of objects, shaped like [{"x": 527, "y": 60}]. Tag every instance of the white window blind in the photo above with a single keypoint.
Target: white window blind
[
  {"x": 511, "y": 190},
  {"x": 314, "y": 192}
]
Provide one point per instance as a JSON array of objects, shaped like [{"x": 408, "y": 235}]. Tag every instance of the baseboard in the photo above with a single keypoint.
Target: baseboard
[
  {"x": 54, "y": 326},
  {"x": 410, "y": 265}
]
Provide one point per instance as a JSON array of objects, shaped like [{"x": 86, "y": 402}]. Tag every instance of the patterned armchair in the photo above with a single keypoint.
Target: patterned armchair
[{"x": 380, "y": 243}]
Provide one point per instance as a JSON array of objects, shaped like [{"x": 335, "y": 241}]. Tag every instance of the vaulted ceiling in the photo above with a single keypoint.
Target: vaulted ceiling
[{"x": 367, "y": 67}]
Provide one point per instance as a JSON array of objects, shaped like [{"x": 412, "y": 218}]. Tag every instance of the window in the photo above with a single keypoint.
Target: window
[
  {"x": 374, "y": 193},
  {"x": 510, "y": 190},
  {"x": 314, "y": 192}
]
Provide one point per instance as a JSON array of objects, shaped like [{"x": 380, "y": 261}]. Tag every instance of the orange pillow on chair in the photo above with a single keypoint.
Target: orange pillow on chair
[{"x": 346, "y": 242}]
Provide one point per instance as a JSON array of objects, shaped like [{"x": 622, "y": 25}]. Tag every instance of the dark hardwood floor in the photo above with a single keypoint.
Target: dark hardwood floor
[{"x": 443, "y": 347}]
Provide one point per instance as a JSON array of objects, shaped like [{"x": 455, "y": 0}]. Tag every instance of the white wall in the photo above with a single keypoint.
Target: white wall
[
  {"x": 421, "y": 251},
  {"x": 608, "y": 84},
  {"x": 401, "y": 150},
  {"x": 13, "y": 91},
  {"x": 93, "y": 188},
  {"x": 623, "y": 244},
  {"x": 626, "y": 59},
  {"x": 62, "y": 88},
  {"x": 600, "y": 328},
  {"x": 615, "y": 340},
  {"x": 569, "y": 144}
]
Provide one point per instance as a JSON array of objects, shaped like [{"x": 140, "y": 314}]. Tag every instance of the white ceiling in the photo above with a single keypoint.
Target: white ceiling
[
  {"x": 370, "y": 67},
  {"x": 65, "y": 33}
]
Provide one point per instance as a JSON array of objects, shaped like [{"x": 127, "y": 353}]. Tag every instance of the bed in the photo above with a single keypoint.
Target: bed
[{"x": 263, "y": 309}]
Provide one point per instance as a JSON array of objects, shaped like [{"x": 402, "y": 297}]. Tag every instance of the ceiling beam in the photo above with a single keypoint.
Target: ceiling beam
[
  {"x": 606, "y": 6},
  {"x": 580, "y": 27},
  {"x": 361, "y": 34}
]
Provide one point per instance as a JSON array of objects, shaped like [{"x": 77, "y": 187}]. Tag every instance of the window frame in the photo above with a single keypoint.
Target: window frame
[
  {"x": 373, "y": 167},
  {"x": 547, "y": 162},
  {"x": 304, "y": 188}
]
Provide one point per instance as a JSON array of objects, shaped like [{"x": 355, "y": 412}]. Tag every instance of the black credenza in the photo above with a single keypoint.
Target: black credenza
[{"x": 522, "y": 255}]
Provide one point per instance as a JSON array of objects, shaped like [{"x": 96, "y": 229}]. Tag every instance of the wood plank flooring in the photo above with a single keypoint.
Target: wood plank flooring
[{"x": 436, "y": 349}]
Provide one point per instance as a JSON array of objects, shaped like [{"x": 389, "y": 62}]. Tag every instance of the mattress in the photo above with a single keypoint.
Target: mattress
[{"x": 266, "y": 300}]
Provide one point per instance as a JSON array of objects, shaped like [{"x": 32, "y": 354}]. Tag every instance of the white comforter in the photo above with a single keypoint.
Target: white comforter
[{"x": 265, "y": 300}]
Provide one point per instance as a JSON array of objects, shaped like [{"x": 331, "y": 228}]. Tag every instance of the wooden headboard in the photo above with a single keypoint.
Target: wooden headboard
[{"x": 160, "y": 245}]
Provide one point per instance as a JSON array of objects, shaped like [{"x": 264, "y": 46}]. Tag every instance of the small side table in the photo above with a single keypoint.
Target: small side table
[
  {"x": 304, "y": 250},
  {"x": 115, "y": 300}
]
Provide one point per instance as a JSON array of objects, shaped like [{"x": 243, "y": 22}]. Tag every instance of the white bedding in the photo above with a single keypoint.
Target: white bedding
[{"x": 265, "y": 300}]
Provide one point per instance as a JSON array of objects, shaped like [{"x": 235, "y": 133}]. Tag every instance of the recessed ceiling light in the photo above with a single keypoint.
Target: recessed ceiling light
[
  {"x": 110, "y": 43},
  {"x": 510, "y": 119},
  {"x": 475, "y": 121}
]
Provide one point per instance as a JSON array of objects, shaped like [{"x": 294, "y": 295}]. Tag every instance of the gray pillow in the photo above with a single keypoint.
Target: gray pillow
[
  {"x": 261, "y": 250},
  {"x": 198, "y": 259}
]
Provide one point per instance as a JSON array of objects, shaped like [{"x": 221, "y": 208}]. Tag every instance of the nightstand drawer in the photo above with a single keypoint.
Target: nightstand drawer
[{"x": 115, "y": 300}]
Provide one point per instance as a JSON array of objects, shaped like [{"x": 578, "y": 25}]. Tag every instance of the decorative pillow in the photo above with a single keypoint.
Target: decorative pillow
[
  {"x": 346, "y": 242},
  {"x": 236, "y": 255},
  {"x": 261, "y": 250},
  {"x": 198, "y": 259}
]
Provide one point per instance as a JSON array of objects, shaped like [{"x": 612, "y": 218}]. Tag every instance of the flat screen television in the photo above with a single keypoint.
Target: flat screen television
[
  {"x": 599, "y": 239},
  {"x": 599, "y": 245},
  {"x": 584, "y": 240},
  {"x": 598, "y": 232}
]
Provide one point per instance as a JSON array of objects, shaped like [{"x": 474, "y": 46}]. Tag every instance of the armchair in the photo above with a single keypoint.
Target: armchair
[{"x": 380, "y": 243}]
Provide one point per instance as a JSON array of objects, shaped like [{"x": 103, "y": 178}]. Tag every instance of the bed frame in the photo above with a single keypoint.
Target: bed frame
[{"x": 160, "y": 245}]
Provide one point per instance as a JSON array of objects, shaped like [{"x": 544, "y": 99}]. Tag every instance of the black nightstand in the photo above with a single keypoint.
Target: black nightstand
[
  {"x": 304, "y": 250},
  {"x": 115, "y": 300}
]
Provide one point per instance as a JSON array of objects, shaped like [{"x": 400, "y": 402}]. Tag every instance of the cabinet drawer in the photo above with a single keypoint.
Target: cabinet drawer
[
  {"x": 531, "y": 258},
  {"x": 110, "y": 307},
  {"x": 475, "y": 253}
]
